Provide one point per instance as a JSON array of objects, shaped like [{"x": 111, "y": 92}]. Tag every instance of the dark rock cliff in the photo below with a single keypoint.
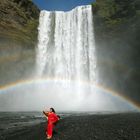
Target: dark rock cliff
[{"x": 117, "y": 33}]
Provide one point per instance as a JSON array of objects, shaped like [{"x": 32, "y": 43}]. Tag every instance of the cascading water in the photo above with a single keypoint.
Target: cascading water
[
  {"x": 66, "y": 55},
  {"x": 66, "y": 47}
]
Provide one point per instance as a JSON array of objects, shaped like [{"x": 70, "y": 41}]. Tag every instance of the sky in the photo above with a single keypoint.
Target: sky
[{"x": 60, "y": 5}]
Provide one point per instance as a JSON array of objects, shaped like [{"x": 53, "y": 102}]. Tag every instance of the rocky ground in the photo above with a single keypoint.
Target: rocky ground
[{"x": 86, "y": 127}]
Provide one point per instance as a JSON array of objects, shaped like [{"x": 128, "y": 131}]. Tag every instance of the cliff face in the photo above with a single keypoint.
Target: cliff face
[
  {"x": 19, "y": 21},
  {"x": 117, "y": 31},
  {"x": 18, "y": 37}
]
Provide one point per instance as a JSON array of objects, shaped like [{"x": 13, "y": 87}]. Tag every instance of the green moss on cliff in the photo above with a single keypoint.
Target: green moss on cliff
[
  {"x": 115, "y": 13},
  {"x": 117, "y": 33},
  {"x": 19, "y": 21}
]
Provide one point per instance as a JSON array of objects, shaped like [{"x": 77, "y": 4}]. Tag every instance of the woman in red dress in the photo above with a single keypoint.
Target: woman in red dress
[{"x": 52, "y": 119}]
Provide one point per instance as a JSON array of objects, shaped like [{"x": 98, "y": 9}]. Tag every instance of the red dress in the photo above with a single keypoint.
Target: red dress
[{"x": 52, "y": 118}]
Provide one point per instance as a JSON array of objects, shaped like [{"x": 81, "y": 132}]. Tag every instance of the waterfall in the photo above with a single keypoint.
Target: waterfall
[{"x": 66, "y": 45}]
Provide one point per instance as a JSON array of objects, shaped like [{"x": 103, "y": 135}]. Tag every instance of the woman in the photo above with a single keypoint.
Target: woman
[{"x": 52, "y": 120}]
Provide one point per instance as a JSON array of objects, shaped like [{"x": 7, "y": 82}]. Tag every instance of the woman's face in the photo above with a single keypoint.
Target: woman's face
[{"x": 50, "y": 110}]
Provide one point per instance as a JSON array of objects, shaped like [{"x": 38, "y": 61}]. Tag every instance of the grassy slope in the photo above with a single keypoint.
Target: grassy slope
[{"x": 19, "y": 21}]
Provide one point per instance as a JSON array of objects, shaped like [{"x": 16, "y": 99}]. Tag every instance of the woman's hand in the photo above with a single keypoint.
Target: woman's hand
[{"x": 45, "y": 113}]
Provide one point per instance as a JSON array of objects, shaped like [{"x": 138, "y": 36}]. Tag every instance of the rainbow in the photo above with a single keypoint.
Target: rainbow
[{"x": 26, "y": 82}]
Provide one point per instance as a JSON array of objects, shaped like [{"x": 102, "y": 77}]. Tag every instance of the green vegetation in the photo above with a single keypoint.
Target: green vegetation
[
  {"x": 19, "y": 21},
  {"x": 117, "y": 33},
  {"x": 116, "y": 14}
]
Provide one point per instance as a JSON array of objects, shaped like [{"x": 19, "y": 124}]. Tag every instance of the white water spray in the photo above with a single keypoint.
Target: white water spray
[
  {"x": 66, "y": 47},
  {"x": 66, "y": 50}
]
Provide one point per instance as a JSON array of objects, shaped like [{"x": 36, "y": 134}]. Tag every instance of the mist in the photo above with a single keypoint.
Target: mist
[
  {"x": 42, "y": 94},
  {"x": 113, "y": 58},
  {"x": 117, "y": 46}
]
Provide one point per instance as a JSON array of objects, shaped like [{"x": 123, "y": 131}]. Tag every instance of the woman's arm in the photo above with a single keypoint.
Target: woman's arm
[{"x": 45, "y": 113}]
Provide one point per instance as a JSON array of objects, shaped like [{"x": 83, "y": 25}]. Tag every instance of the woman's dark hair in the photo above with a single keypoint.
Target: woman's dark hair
[{"x": 52, "y": 109}]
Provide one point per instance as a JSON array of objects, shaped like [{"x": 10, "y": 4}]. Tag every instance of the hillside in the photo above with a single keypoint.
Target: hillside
[
  {"x": 18, "y": 38},
  {"x": 19, "y": 21},
  {"x": 117, "y": 33}
]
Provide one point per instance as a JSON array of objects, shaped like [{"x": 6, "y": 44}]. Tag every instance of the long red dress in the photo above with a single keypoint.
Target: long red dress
[{"x": 52, "y": 118}]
